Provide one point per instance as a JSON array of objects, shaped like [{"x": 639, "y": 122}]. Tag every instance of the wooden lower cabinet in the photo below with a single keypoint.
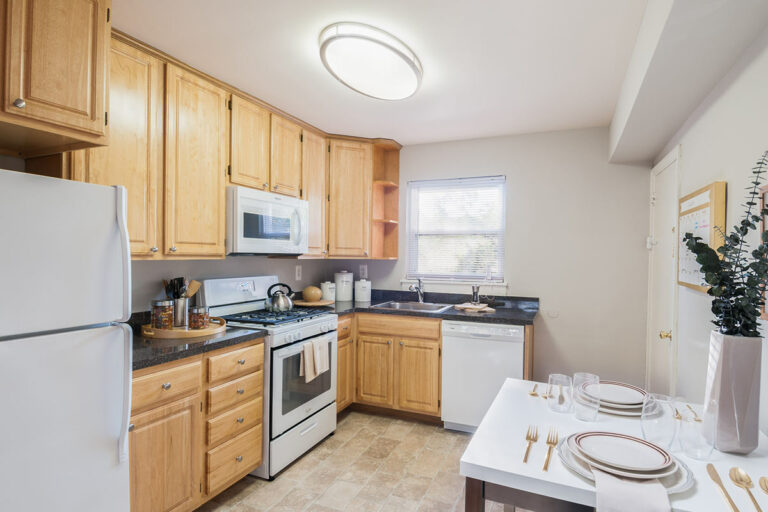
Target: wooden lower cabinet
[
  {"x": 418, "y": 375},
  {"x": 165, "y": 457},
  {"x": 375, "y": 370},
  {"x": 345, "y": 377}
]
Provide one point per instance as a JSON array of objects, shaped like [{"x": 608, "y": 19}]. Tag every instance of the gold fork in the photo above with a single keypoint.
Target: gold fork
[
  {"x": 552, "y": 439},
  {"x": 548, "y": 393},
  {"x": 531, "y": 436},
  {"x": 695, "y": 416},
  {"x": 533, "y": 391},
  {"x": 678, "y": 416}
]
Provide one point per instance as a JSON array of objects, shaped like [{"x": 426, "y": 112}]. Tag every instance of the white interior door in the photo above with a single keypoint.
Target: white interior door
[{"x": 662, "y": 301}]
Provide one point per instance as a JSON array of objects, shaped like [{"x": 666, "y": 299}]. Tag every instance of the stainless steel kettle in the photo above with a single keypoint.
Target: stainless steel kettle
[{"x": 280, "y": 300}]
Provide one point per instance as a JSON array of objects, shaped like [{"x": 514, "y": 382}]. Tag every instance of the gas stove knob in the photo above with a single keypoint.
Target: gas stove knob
[{"x": 324, "y": 328}]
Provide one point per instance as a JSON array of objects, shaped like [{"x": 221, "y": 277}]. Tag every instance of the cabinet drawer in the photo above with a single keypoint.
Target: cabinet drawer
[
  {"x": 344, "y": 329},
  {"x": 237, "y": 362},
  {"x": 392, "y": 325},
  {"x": 235, "y": 392},
  {"x": 234, "y": 459},
  {"x": 166, "y": 385},
  {"x": 235, "y": 421}
]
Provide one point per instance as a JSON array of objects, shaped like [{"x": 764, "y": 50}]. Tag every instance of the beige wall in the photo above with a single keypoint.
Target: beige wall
[
  {"x": 721, "y": 141},
  {"x": 576, "y": 228}
]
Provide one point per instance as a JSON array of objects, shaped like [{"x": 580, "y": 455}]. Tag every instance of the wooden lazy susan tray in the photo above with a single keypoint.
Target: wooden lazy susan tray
[
  {"x": 316, "y": 303},
  {"x": 215, "y": 326}
]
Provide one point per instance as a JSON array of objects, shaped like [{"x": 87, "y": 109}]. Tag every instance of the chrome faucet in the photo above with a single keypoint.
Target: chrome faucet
[
  {"x": 475, "y": 294},
  {"x": 419, "y": 289}
]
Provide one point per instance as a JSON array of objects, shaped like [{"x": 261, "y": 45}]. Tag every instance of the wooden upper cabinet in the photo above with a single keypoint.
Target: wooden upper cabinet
[
  {"x": 250, "y": 144},
  {"x": 55, "y": 68},
  {"x": 285, "y": 170},
  {"x": 349, "y": 209},
  {"x": 375, "y": 365},
  {"x": 134, "y": 157},
  {"x": 418, "y": 379},
  {"x": 314, "y": 183},
  {"x": 196, "y": 143}
]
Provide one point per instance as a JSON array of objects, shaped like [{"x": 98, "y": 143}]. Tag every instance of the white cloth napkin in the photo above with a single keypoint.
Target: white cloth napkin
[
  {"x": 307, "y": 363},
  {"x": 322, "y": 364},
  {"x": 621, "y": 495}
]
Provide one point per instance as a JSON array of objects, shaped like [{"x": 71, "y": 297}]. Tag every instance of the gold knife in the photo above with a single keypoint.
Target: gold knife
[{"x": 716, "y": 478}]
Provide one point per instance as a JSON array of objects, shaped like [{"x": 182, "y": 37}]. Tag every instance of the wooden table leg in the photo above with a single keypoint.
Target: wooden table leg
[{"x": 474, "y": 500}]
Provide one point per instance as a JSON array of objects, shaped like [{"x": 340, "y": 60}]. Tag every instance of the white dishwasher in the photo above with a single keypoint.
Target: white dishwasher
[{"x": 477, "y": 358}]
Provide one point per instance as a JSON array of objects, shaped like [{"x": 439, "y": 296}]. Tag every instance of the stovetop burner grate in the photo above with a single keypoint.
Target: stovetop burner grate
[{"x": 273, "y": 318}]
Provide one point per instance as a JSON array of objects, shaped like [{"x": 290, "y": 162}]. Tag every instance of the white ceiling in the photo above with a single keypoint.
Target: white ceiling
[{"x": 490, "y": 68}]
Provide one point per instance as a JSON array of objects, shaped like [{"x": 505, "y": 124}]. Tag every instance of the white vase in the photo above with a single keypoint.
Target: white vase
[{"x": 732, "y": 396}]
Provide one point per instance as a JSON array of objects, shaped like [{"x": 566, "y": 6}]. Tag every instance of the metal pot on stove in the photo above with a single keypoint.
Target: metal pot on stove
[{"x": 279, "y": 300}]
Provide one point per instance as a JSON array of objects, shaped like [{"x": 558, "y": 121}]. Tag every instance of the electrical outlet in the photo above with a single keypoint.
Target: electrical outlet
[
  {"x": 363, "y": 271},
  {"x": 298, "y": 272}
]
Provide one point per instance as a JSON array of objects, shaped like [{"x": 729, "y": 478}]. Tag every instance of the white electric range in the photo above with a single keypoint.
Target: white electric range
[{"x": 297, "y": 414}]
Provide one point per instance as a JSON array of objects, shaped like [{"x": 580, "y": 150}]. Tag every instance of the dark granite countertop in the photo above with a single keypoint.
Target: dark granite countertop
[
  {"x": 152, "y": 352},
  {"x": 509, "y": 310}
]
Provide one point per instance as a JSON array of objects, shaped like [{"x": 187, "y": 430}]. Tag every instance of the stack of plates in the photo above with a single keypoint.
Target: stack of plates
[
  {"x": 623, "y": 456},
  {"x": 615, "y": 397}
]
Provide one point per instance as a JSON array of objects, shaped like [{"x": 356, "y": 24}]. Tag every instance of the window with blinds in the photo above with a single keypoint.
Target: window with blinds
[{"x": 456, "y": 229}]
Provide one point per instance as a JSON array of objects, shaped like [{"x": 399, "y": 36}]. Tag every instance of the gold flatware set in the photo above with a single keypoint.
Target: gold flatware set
[
  {"x": 740, "y": 478},
  {"x": 532, "y": 436}
]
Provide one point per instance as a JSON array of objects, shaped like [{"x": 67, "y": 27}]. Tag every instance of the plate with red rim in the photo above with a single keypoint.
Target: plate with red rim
[
  {"x": 612, "y": 392},
  {"x": 638, "y": 475},
  {"x": 611, "y": 409},
  {"x": 579, "y": 394},
  {"x": 622, "y": 451}
]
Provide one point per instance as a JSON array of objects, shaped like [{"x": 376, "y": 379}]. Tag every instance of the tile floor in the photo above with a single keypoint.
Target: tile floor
[{"x": 371, "y": 464}]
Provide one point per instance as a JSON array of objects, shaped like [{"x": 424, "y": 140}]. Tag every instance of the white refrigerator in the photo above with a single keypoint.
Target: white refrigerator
[{"x": 65, "y": 356}]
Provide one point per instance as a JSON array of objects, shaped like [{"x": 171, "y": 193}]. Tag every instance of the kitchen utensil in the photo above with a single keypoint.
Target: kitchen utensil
[
  {"x": 551, "y": 443},
  {"x": 344, "y": 285},
  {"x": 531, "y": 436},
  {"x": 678, "y": 416},
  {"x": 716, "y": 478},
  {"x": 329, "y": 290},
  {"x": 311, "y": 294},
  {"x": 764, "y": 484},
  {"x": 560, "y": 397},
  {"x": 742, "y": 479},
  {"x": 695, "y": 416},
  {"x": 586, "y": 408},
  {"x": 626, "y": 473},
  {"x": 180, "y": 312},
  {"x": 533, "y": 391},
  {"x": 279, "y": 300},
  {"x": 192, "y": 289},
  {"x": 622, "y": 451},
  {"x": 562, "y": 401},
  {"x": 658, "y": 421},
  {"x": 612, "y": 392},
  {"x": 166, "y": 288},
  {"x": 548, "y": 393}
]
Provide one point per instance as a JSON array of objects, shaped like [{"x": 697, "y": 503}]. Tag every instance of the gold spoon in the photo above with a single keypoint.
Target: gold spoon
[
  {"x": 678, "y": 416},
  {"x": 764, "y": 484},
  {"x": 548, "y": 393},
  {"x": 533, "y": 391},
  {"x": 741, "y": 479},
  {"x": 695, "y": 416}
]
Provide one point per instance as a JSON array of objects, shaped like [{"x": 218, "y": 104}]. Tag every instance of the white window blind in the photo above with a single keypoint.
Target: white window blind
[{"x": 456, "y": 229}]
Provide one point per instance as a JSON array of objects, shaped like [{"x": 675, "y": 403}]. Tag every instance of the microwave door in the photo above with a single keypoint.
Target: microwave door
[{"x": 267, "y": 228}]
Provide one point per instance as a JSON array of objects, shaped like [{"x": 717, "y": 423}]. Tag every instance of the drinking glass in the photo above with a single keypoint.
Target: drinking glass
[
  {"x": 560, "y": 394},
  {"x": 585, "y": 406},
  {"x": 693, "y": 440},
  {"x": 658, "y": 420}
]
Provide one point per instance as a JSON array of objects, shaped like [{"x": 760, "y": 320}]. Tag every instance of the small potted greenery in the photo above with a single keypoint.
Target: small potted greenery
[{"x": 736, "y": 275}]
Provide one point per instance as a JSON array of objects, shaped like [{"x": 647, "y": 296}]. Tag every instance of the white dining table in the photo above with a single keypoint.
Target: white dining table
[{"x": 494, "y": 469}]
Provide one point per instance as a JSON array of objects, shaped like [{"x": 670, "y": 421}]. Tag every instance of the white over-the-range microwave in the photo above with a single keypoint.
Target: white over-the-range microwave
[{"x": 261, "y": 222}]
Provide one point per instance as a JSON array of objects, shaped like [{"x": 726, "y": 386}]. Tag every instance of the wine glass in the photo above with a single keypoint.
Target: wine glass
[
  {"x": 585, "y": 406},
  {"x": 658, "y": 420},
  {"x": 559, "y": 390}
]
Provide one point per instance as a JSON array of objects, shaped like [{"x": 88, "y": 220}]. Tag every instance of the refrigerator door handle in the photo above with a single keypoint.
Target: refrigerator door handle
[
  {"x": 122, "y": 224},
  {"x": 122, "y": 444}
]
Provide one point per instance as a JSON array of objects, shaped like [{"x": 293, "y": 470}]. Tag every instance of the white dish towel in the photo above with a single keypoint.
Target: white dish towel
[
  {"x": 620, "y": 495},
  {"x": 307, "y": 363},
  {"x": 322, "y": 364}
]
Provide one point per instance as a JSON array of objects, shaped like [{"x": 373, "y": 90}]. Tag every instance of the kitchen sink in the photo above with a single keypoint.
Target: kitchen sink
[{"x": 427, "y": 307}]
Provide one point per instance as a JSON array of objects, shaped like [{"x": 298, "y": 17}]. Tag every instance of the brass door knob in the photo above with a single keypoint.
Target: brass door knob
[{"x": 665, "y": 335}]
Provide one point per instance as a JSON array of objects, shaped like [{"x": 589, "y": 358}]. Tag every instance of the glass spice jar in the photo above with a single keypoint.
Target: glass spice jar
[
  {"x": 198, "y": 317},
  {"x": 162, "y": 314}
]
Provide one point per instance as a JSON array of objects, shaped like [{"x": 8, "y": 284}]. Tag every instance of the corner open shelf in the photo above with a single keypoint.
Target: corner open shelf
[{"x": 385, "y": 202}]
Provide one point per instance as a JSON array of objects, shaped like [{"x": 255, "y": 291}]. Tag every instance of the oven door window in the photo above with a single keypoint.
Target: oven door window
[
  {"x": 266, "y": 227},
  {"x": 296, "y": 392}
]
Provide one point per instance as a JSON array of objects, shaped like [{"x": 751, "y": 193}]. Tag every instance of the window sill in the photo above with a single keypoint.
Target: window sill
[{"x": 458, "y": 285}]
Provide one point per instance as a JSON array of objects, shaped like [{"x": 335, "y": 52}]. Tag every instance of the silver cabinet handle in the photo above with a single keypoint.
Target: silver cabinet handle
[
  {"x": 365, "y": 253},
  {"x": 239, "y": 458},
  {"x": 264, "y": 185},
  {"x": 173, "y": 249},
  {"x": 166, "y": 386},
  {"x": 401, "y": 343},
  {"x": 241, "y": 361},
  {"x": 153, "y": 249},
  {"x": 275, "y": 187},
  {"x": 240, "y": 420},
  {"x": 240, "y": 391},
  {"x": 130, "y": 427},
  {"x": 325, "y": 252},
  {"x": 19, "y": 103},
  {"x": 389, "y": 342}
]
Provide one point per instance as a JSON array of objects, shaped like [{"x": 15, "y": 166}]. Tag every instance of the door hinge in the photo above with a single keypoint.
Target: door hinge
[
  {"x": 328, "y": 246},
  {"x": 438, "y": 402},
  {"x": 106, "y": 118},
  {"x": 201, "y": 486},
  {"x": 201, "y": 406},
  {"x": 301, "y": 192},
  {"x": 229, "y": 170},
  {"x": 301, "y": 137},
  {"x": 229, "y": 104},
  {"x": 108, "y": 14},
  {"x": 329, "y": 197},
  {"x": 650, "y": 242},
  {"x": 439, "y": 352},
  {"x": 329, "y": 148}
]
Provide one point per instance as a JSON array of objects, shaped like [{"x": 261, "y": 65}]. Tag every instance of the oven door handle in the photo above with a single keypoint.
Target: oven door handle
[{"x": 282, "y": 353}]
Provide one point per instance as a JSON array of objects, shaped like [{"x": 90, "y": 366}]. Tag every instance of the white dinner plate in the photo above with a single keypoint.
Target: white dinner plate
[
  {"x": 583, "y": 397},
  {"x": 638, "y": 475},
  {"x": 614, "y": 392},
  {"x": 635, "y": 411},
  {"x": 680, "y": 481},
  {"x": 622, "y": 451}
]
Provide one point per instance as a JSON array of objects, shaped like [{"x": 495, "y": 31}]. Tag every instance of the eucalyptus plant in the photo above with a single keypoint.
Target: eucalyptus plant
[{"x": 737, "y": 276}]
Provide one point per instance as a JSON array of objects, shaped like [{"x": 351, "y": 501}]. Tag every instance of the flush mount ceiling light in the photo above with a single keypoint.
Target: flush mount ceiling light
[{"x": 370, "y": 61}]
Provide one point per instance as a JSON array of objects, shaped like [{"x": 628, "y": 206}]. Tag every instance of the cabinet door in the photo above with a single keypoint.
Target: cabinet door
[
  {"x": 196, "y": 142},
  {"x": 345, "y": 376},
  {"x": 418, "y": 375},
  {"x": 285, "y": 170},
  {"x": 56, "y": 62},
  {"x": 314, "y": 180},
  {"x": 375, "y": 377},
  {"x": 134, "y": 158},
  {"x": 250, "y": 144},
  {"x": 165, "y": 457},
  {"x": 349, "y": 209}
]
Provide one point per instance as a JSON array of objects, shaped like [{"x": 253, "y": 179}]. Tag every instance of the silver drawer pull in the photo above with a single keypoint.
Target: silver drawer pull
[
  {"x": 167, "y": 386},
  {"x": 130, "y": 427},
  {"x": 239, "y": 458},
  {"x": 240, "y": 391},
  {"x": 19, "y": 103},
  {"x": 240, "y": 420},
  {"x": 241, "y": 361}
]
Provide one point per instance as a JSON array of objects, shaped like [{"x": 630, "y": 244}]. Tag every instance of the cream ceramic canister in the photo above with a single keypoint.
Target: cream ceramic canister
[{"x": 329, "y": 290}]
